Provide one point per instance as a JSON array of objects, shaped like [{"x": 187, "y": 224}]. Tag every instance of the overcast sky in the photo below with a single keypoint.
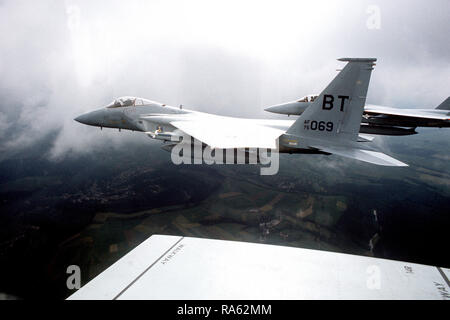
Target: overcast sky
[{"x": 61, "y": 58}]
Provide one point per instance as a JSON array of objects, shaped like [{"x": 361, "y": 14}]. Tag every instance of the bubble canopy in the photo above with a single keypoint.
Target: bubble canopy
[
  {"x": 308, "y": 98},
  {"x": 128, "y": 101}
]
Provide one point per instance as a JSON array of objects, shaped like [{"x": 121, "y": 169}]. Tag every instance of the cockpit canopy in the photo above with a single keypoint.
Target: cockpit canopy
[
  {"x": 309, "y": 98},
  {"x": 128, "y": 101}
]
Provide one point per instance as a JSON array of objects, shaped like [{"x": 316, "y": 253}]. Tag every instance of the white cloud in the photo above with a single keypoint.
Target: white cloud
[{"x": 232, "y": 57}]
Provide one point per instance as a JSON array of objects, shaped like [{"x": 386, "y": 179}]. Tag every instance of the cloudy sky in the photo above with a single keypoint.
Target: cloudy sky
[{"x": 61, "y": 58}]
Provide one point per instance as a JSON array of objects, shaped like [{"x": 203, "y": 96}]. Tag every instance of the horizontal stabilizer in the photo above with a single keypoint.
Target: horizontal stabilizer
[
  {"x": 374, "y": 157},
  {"x": 358, "y": 59},
  {"x": 365, "y": 137}
]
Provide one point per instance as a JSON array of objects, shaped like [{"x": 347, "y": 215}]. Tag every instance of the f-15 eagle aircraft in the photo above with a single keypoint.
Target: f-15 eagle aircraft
[
  {"x": 381, "y": 120},
  {"x": 330, "y": 125}
]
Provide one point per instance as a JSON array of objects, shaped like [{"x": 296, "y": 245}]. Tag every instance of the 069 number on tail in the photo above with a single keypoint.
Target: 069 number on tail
[{"x": 319, "y": 125}]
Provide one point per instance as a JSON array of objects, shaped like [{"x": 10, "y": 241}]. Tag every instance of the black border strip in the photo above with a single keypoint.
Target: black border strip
[{"x": 139, "y": 276}]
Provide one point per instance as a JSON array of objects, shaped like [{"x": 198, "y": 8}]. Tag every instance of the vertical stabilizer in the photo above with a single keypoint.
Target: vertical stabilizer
[
  {"x": 336, "y": 113},
  {"x": 444, "y": 105}
]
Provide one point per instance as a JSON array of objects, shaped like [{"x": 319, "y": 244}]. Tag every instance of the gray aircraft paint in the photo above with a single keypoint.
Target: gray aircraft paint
[
  {"x": 330, "y": 125},
  {"x": 341, "y": 104}
]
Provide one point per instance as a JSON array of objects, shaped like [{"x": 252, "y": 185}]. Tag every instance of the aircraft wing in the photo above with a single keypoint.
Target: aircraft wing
[
  {"x": 224, "y": 132},
  {"x": 432, "y": 114},
  {"x": 173, "y": 267}
]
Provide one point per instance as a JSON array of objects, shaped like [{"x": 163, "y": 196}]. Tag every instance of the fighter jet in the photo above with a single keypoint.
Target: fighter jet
[
  {"x": 330, "y": 125},
  {"x": 381, "y": 120}
]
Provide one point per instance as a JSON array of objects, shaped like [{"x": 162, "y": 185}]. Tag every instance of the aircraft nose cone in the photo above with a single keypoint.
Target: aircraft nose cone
[
  {"x": 92, "y": 118},
  {"x": 270, "y": 109},
  {"x": 82, "y": 119},
  {"x": 275, "y": 109}
]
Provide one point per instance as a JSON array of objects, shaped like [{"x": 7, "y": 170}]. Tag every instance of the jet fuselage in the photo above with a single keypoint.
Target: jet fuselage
[{"x": 128, "y": 118}]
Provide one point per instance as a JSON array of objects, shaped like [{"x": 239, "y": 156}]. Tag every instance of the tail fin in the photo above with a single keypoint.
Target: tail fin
[
  {"x": 444, "y": 105},
  {"x": 337, "y": 112}
]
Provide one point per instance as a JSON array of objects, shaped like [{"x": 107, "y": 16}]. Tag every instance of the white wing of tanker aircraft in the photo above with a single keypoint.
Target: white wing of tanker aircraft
[
  {"x": 329, "y": 126},
  {"x": 185, "y": 268}
]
